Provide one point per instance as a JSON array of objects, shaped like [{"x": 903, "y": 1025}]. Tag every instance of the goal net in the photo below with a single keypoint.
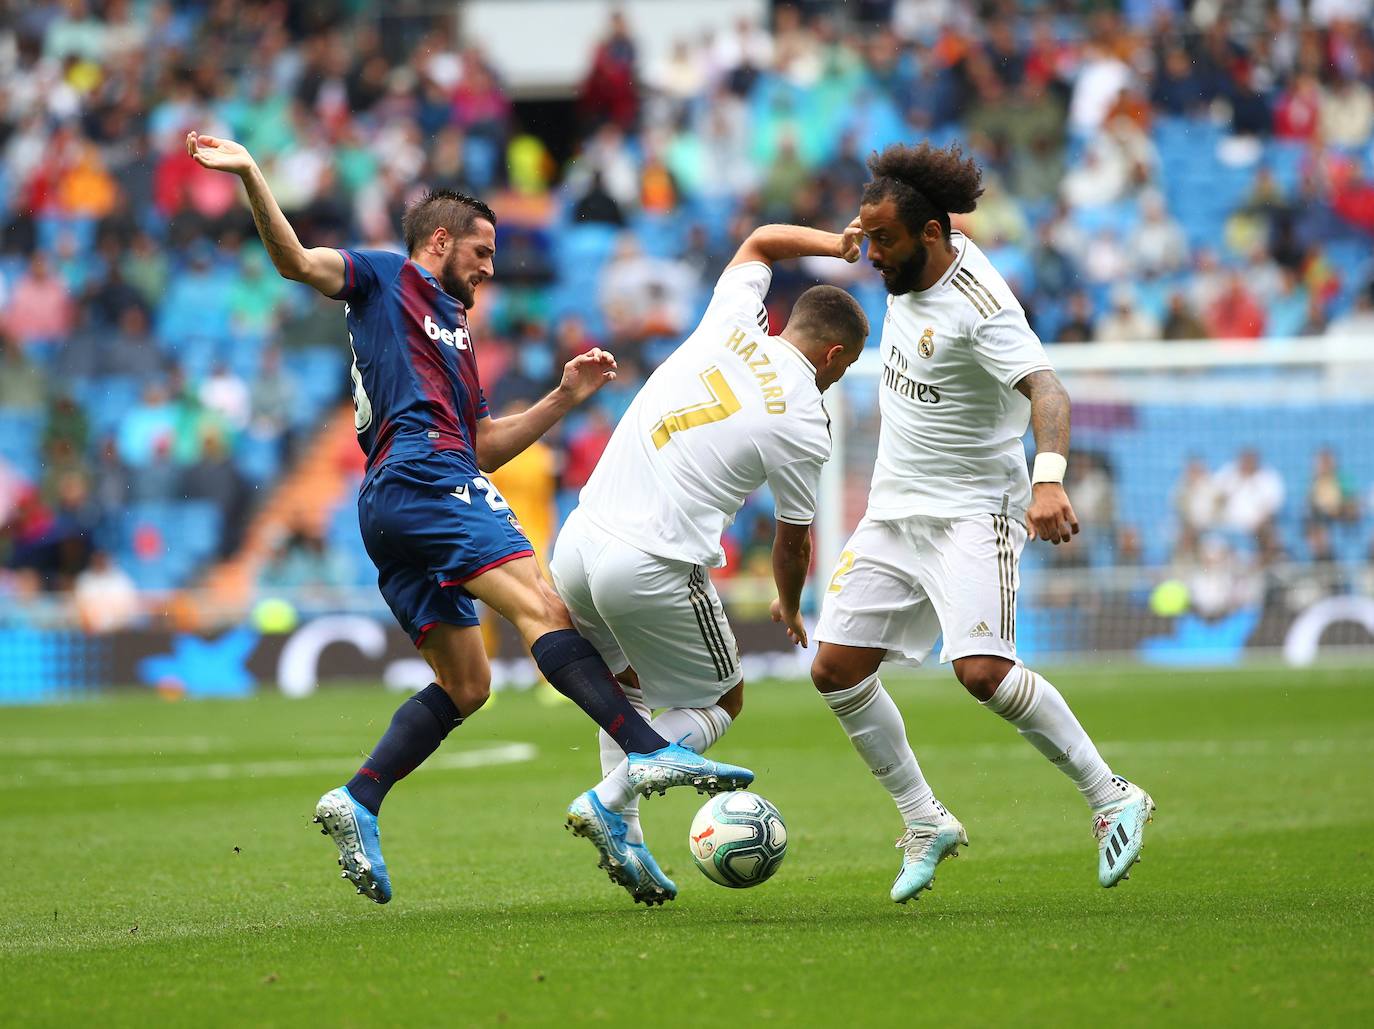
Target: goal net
[{"x": 1224, "y": 493}]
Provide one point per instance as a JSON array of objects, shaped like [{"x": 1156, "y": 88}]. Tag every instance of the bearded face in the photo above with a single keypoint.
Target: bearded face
[
  {"x": 467, "y": 263},
  {"x": 903, "y": 277},
  {"x": 897, "y": 254}
]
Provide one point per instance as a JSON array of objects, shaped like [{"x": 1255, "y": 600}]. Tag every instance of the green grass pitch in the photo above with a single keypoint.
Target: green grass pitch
[{"x": 160, "y": 869}]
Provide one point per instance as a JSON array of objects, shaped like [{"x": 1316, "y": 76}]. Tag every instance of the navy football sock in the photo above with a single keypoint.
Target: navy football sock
[
  {"x": 575, "y": 669},
  {"x": 417, "y": 728}
]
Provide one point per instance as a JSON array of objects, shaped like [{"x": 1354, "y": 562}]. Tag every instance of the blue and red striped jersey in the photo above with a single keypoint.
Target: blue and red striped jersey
[{"x": 415, "y": 384}]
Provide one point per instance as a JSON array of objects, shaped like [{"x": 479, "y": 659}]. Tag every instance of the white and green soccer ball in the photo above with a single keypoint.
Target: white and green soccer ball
[{"x": 738, "y": 839}]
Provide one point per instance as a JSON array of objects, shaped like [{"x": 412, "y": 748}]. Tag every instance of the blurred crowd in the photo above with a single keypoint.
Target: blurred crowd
[
  {"x": 1236, "y": 537},
  {"x": 1155, "y": 169}
]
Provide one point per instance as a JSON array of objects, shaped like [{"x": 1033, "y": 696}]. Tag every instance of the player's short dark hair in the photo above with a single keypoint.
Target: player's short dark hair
[
  {"x": 829, "y": 314},
  {"x": 926, "y": 183},
  {"x": 442, "y": 209}
]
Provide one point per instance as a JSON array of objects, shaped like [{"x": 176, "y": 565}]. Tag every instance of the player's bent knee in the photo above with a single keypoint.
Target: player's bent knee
[
  {"x": 981, "y": 675},
  {"x": 555, "y": 611},
  {"x": 545, "y": 612},
  {"x": 830, "y": 676},
  {"x": 467, "y": 693},
  {"x": 838, "y": 667}
]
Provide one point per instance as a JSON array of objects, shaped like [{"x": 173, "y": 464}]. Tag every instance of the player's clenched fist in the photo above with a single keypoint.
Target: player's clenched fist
[
  {"x": 1050, "y": 516},
  {"x": 218, "y": 154},
  {"x": 587, "y": 373},
  {"x": 851, "y": 240}
]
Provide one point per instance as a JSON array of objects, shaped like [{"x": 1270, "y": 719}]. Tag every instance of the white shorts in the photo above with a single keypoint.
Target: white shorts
[
  {"x": 899, "y": 584},
  {"x": 660, "y": 617}
]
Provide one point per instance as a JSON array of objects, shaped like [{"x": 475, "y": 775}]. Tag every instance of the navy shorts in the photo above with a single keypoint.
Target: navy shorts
[{"x": 429, "y": 526}]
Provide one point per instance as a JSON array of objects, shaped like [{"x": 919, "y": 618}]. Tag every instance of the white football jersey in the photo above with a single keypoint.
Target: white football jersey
[
  {"x": 952, "y": 421},
  {"x": 730, "y": 409}
]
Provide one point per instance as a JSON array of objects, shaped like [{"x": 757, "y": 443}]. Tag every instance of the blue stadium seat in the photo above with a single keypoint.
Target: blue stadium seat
[
  {"x": 1119, "y": 218},
  {"x": 343, "y": 536},
  {"x": 584, "y": 248},
  {"x": 105, "y": 400},
  {"x": 661, "y": 235},
  {"x": 715, "y": 212},
  {"x": 21, "y": 433},
  {"x": 257, "y": 459},
  {"x": 320, "y": 374},
  {"x": 51, "y": 229},
  {"x": 481, "y": 155},
  {"x": 188, "y": 532},
  {"x": 1285, "y": 159}
]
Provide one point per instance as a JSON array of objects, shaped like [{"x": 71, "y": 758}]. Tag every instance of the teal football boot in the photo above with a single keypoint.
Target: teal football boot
[
  {"x": 924, "y": 846},
  {"x": 675, "y": 765},
  {"x": 592, "y": 820},
  {"x": 353, "y": 828},
  {"x": 1120, "y": 831},
  {"x": 655, "y": 886}
]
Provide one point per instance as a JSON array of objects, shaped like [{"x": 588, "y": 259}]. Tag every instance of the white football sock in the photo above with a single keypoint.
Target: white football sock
[
  {"x": 612, "y": 757},
  {"x": 1039, "y": 712},
  {"x": 875, "y": 728},
  {"x": 696, "y": 728}
]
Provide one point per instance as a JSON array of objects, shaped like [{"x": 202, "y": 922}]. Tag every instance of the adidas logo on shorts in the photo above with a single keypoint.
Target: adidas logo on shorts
[{"x": 980, "y": 630}]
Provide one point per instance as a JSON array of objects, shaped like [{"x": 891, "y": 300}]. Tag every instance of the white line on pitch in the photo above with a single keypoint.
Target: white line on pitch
[
  {"x": 1168, "y": 748},
  {"x": 502, "y": 754},
  {"x": 80, "y": 746}
]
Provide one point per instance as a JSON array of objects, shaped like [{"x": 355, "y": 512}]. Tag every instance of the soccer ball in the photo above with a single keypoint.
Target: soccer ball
[{"x": 738, "y": 839}]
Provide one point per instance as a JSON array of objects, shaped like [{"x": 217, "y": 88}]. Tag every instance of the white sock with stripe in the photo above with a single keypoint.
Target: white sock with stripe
[
  {"x": 875, "y": 727},
  {"x": 696, "y": 728},
  {"x": 1031, "y": 703},
  {"x": 612, "y": 757}
]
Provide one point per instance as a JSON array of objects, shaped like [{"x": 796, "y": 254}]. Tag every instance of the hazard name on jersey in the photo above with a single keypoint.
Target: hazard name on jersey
[
  {"x": 760, "y": 365},
  {"x": 730, "y": 410}
]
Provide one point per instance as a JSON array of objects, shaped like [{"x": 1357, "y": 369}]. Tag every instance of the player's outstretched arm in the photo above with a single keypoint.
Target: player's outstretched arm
[
  {"x": 500, "y": 439},
  {"x": 1050, "y": 516},
  {"x": 791, "y": 562},
  {"x": 320, "y": 267},
  {"x": 770, "y": 243}
]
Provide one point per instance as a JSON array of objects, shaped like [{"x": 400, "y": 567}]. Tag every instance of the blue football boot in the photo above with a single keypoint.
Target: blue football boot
[
  {"x": 592, "y": 820},
  {"x": 655, "y": 887},
  {"x": 1120, "y": 831},
  {"x": 924, "y": 846},
  {"x": 353, "y": 828},
  {"x": 675, "y": 765}
]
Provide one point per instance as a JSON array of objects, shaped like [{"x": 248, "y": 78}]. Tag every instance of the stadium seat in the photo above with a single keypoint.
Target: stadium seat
[
  {"x": 165, "y": 542},
  {"x": 106, "y": 399},
  {"x": 584, "y": 248},
  {"x": 21, "y": 433}
]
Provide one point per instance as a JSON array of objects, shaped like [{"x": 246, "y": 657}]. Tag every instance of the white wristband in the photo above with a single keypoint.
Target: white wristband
[{"x": 1049, "y": 468}]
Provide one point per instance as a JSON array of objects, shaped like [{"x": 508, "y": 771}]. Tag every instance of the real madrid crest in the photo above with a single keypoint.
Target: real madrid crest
[{"x": 926, "y": 348}]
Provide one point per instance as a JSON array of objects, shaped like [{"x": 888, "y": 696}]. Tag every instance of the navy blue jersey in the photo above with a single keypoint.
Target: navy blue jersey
[{"x": 415, "y": 385}]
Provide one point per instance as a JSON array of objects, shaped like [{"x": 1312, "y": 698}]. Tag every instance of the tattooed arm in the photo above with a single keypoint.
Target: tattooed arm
[
  {"x": 1049, "y": 411},
  {"x": 320, "y": 267},
  {"x": 1050, "y": 516}
]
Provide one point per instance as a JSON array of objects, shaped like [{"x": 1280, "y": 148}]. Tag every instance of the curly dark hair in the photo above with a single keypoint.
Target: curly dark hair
[
  {"x": 442, "y": 208},
  {"x": 926, "y": 182}
]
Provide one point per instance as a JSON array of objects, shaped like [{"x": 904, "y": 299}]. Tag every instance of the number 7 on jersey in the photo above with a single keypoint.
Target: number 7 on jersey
[{"x": 722, "y": 405}]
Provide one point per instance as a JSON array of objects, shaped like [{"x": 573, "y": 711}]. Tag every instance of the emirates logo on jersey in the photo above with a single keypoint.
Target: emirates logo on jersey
[{"x": 926, "y": 348}]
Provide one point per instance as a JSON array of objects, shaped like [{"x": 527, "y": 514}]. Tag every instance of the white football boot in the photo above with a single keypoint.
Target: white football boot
[{"x": 924, "y": 845}]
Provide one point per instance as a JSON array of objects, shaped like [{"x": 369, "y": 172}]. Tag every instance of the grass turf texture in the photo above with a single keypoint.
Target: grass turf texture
[{"x": 162, "y": 869}]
